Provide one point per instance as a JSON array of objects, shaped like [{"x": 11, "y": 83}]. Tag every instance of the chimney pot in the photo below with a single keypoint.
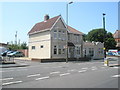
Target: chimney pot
[{"x": 46, "y": 17}]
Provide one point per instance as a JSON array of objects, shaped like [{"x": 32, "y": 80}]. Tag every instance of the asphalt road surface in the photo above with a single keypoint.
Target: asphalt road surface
[{"x": 61, "y": 75}]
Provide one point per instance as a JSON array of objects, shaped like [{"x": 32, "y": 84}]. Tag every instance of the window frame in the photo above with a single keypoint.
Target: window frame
[{"x": 33, "y": 47}]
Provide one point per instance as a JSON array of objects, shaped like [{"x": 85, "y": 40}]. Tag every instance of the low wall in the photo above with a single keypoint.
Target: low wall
[{"x": 60, "y": 60}]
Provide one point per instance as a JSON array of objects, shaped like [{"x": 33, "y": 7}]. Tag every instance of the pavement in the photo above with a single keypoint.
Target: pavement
[
  {"x": 19, "y": 64},
  {"x": 23, "y": 58},
  {"x": 13, "y": 64}
]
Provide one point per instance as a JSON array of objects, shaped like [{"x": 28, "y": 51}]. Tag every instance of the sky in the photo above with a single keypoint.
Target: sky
[{"x": 83, "y": 16}]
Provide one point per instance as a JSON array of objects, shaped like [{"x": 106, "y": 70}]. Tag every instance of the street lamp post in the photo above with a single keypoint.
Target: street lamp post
[
  {"x": 104, "y": 21},
  {"x": 66, "y": 31},
  {"x": 104, "y": 33}
]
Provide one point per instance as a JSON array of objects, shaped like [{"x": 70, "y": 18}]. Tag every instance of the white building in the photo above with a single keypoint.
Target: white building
[
  {"x": 49, "y": 39},
  {"x": 93, "y": 49}
]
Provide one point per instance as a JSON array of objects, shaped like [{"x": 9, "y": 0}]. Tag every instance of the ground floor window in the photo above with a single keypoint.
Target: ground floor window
[
  {"x": 91, "y": 51},
  {"x": 100, "y": 51},
  {"x": 59, "y": 51},
  {"x": 41, "y": 46},
  {"x": 55, "y": 50},
  {"x": 85, "y": 51},
  {"x": 78, "y": 50},
  {"x": 63, "y": 51},
  {"x": 33, "y": 47}
]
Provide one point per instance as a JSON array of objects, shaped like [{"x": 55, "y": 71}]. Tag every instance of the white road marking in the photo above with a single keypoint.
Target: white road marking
[
  {"x": 55, "y": 72},
  {"x": 21, "y": 67},
  {"x": 64, "y": 74},
  {"x": 11, "y": 83},
  {"x": 6, "y": 79},
  {"x": 116, "y": 76},
  {"x": 42, "y": 78},
  {"x": 94, "y": 68},
  {"x": 71, "y": 70},
  {"x": 82, "y": 71},
  {"x": 33, "y": 75},
  {"x": 85, "y": 68}
]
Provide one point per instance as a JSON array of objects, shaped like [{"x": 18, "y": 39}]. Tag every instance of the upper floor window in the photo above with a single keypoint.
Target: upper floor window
[
  {"x": 77, "y": 38},
  {"x": 59, "y": 34},
  {"x": 55, "y": 34},
  {"x": 63, "y": 35},
  {"x": 63, "y": 32},
  {"x": 68, "y": 37}
]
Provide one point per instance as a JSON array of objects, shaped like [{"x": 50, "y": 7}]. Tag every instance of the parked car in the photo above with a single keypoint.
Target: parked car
[
  {"x": 4, "y": 53},
  {"x": 1, "y": 58},
  {"x": 110, "y": 53},
  {"x": 16, "y": 54},
  {"x": 10, "y": 52}
]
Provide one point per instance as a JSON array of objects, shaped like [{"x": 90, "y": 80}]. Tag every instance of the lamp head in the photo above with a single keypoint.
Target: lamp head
[
  {"x": 70, "y": 2},
  {"x": 104, "y": 14}
]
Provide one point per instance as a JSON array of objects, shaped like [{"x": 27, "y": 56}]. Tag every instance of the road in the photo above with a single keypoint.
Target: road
[{"x": 61, "y": 75}]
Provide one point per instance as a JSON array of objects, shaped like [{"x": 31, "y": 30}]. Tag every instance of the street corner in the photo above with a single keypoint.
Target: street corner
[{"x": 9, "y": 65}]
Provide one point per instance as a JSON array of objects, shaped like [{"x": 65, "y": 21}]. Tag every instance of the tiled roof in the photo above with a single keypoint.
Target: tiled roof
[
  {"x": 116, "y": 34},
  {"x": 72, "y": 30},
  {"x": 70, "y": 44},
  {"x": 88, "y": 43},
  {"x": 44, "y": 25}
]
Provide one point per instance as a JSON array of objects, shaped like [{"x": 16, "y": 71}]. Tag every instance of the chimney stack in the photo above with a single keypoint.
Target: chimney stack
[{"x": 46, "y": 17}]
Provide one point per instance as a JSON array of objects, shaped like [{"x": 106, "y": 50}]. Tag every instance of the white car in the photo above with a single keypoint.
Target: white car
[{"x": 16, "y": 54}]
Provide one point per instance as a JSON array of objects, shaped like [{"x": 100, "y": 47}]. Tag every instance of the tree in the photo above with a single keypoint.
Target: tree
[
  {"x": 84, "y": 37},
  {"x": 97, "y": 35},
  {"x": 24, "y": 45},
  {"x": 110, "y": 42},
  {"x": 101, "y": 35},
  {"x": 18, "y": 46}
]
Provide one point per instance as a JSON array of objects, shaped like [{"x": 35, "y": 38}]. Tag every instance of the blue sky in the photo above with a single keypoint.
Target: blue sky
[{"x": 83, "y": 16}]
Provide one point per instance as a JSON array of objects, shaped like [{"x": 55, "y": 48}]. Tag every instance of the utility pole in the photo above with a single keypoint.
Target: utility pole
[
  {"x": 16, "y": 38},
  {"x": 67, "y": 29},
  {"x": 104, "y": 34}
]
